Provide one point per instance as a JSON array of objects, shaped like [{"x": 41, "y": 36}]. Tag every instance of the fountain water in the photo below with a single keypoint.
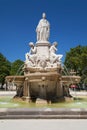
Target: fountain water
[{"x": 42, "y": 77}]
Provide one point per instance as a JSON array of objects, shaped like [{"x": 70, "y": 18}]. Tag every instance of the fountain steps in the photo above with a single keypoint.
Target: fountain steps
[{"x": 43, "y": 113}]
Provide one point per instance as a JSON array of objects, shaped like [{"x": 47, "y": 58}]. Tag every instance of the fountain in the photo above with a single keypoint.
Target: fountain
[{"x": 43, "y": 80}]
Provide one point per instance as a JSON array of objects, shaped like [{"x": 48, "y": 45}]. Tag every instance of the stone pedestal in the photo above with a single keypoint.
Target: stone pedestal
[{"x": 43, "y": 49}]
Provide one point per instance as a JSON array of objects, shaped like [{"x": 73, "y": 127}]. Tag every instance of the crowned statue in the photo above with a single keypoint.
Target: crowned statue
[{"x": 43, "y": 29}]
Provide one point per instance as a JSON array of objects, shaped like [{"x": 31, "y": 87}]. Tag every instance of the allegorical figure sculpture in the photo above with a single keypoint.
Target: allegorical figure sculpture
[
  {"x": 31, "y": 56},
  {"x": 54, "y": 57},
  {"x": 43, "y": 29},
  {"x": 42, "y": 56}
]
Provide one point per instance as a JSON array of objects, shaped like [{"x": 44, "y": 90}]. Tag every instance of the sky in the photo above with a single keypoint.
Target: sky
[{"x": 19, "y": 19}]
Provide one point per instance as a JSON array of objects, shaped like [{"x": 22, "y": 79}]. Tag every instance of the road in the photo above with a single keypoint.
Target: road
[{"x": 44, "y": 124}]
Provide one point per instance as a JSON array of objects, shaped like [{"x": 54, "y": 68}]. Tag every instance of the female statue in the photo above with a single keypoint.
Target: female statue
[{"x": 43, "y": 29}]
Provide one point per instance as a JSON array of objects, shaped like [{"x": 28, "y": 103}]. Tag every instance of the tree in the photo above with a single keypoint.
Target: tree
[
  {"x": 16, "y": 67},
  {"x": 76, "y": 59},
  {"x": 5, "y": 67}
]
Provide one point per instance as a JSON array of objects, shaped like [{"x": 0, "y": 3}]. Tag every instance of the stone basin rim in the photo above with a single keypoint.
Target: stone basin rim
[{"x": 43, "y": 113}]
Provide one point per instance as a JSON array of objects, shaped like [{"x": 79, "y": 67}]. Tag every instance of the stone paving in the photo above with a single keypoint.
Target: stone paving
[
  {"x": 78, "y": 93},
  {"x": 7, "y": 93},
  {"x": 45, "y": 124},
  {"x": 73, "y": 93}
]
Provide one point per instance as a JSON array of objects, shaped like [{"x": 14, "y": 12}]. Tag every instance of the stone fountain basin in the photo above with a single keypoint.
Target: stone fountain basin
[
  {"x": 38, "y": 77},
  {"x": 15, "y": 79},
  {"x": 71, "y": 79},
  {"x": 46, "y": 85},
  {"x": 33, "y": 77}
]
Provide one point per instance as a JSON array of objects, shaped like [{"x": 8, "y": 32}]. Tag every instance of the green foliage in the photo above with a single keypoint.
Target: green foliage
[
  {"x": 76, "y": 59},
  {"x": 16, "y": 67},
  {"x": 5, "y": 67}
]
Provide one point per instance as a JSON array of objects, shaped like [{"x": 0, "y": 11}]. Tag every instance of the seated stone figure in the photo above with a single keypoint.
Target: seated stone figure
[
  {"x": 54, "y": 57},
  {"x": 31, "y": 56}
]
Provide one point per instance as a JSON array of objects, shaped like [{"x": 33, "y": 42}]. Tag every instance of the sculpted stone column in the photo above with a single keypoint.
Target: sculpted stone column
[
  {"x": 59, "y": 88},
  {"x": 26, "y": 91}
]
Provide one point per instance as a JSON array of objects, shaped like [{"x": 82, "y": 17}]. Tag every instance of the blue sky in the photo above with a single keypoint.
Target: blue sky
[{"x": 19, "y": 18}]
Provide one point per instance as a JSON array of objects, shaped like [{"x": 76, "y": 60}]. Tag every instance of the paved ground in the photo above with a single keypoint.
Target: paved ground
[
  {"x": 73, "y": 93},
  {"x": 43, "y": 124},
  {"x": 7, "y": 93},
  {"x": 78, "y": 93}
]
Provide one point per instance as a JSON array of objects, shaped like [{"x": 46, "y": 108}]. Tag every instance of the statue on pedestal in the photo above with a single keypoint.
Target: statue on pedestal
[
  {"x": 43, "y": 29},
  {"x": 42, "y": 56}
]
